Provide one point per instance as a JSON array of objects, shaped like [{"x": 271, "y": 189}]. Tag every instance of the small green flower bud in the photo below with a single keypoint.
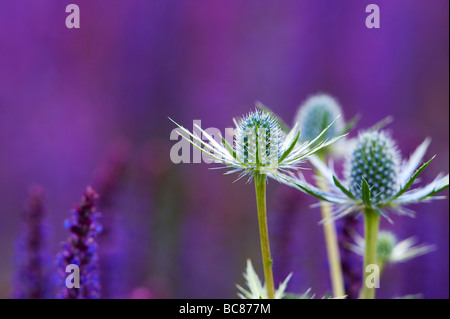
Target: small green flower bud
[
  {"x": 374, "y": 157},
  {"x": 385, "y": 245}
]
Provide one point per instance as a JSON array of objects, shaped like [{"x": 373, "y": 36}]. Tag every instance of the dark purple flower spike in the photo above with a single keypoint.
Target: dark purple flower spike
[
  {"x": 32, "y": 279},
  {"x": 81, "y": 249}
]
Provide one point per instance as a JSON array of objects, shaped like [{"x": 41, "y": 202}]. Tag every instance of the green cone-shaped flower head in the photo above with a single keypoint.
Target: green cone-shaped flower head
[
  {"x": 375, "y": 158},
  {"x": 316, "y": 114},
  {"x": 259, "y": 139}
]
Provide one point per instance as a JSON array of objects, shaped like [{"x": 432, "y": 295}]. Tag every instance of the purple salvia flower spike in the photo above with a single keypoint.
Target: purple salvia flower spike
[
  {"x": 81, "y": 249},
  {"x": 32, "y": 277}
]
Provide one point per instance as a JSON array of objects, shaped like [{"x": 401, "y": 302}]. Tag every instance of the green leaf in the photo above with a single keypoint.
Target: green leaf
[
  {"x": 228, "y": 147},
  {"x": 413, "y": 178},
  {"x": 303, "y": 186},
  {"x": 317, "y": 138},
  {"x": 342, "y": 188},
  {"x": 413, "y": 196},
  {"x": 439, "y": 189},
  {"x": 366, "y": 193},
  {"x": 311, "y": 191},
  {"x": 289, "y": 150},
  {"x": 318, "y": 147}
]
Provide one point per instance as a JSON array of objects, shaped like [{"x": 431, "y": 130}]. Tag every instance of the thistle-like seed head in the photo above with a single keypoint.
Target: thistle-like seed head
[
  {"x": 385, "y": 246},
  {"x": 258, "y": 140},
  {"x": 374, "y": 157},
  {"x": 316, "y": 114}
]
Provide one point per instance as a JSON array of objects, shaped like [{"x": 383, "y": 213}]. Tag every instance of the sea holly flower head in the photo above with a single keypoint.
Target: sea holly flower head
[
  {"x": 385, "y": 245},
  {"x": 375, "y": 178},
  {"x": 374, "y": 158},
  {"x": 390, "y": 249},
  {"x": 316, "y": 114},
  {"x": 260, "y": 146},
  {"x": 258, "y": 140}
]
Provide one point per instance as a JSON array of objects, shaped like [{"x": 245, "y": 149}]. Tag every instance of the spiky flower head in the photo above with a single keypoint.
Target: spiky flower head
[
  {"x": 316, "y": 114},
  {"x": 258, "y": 140},
  {"x": 375, "y": 178},
  {"x": 374, "y": 158},
  {"x": 260, "y": 146}
]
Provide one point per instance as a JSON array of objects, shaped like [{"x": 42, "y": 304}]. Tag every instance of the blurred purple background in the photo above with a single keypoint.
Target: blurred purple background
[{"x": 78, "y": 106}]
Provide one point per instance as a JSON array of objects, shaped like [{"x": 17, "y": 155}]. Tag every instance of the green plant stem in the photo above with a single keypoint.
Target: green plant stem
[
  {"x": 331, "y": 241},
  {"x": 260, "y": 188},
  {"x": 371, "y": 226}
]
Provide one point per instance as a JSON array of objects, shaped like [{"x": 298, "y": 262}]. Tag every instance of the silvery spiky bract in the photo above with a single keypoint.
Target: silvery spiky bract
[
  {"x": 389, "y": 249},
  {"x": 256, "y": 290},
  {"x": 260, "y": 146},
  {"x": 374, "y": 178},
  {"x": 316, "y": 114}
]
